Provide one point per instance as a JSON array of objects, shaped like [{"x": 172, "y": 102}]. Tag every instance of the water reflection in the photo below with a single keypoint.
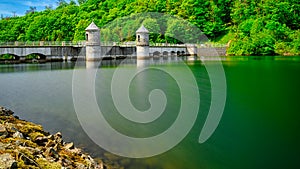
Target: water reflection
[
  {"x": 26, "y": 67},
  {"x": 260, "y": 123}
]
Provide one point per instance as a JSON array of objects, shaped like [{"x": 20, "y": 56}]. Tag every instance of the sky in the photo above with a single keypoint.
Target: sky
[{"x": 7, "y": 7}]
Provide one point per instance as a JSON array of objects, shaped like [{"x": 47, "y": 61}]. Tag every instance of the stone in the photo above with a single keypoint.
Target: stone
[
  {"x": 66, "y": 162},
  {"x": 5, "y": 112},
  {"x": 52, "y": 153},
  {"x": 18, "y": 135},
  {"x": 58, "y": 134},
  {"x": 56, "y": 147},
  {"x": 3, "y": 131},
  {"x": 41, "y": 141},
  {"x": 58, "y": 138},
  {"x": 14, "y": 165},
  {"x": 69, "y": 146},
  {"x": 76, "y": 151},
  {"x": 2, "y": 146},
  {"x": 80, "y": 166},
  {"x": 6, "y": 160},
  {"x": 11, "y": 128},
  {"x": 50, "y": 137},
  {"x": 50, "y": 143},
  {"x": 39, "y": 149}
]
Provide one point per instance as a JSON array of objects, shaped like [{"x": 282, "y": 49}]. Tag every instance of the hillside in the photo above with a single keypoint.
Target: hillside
[{"x": 253, "y": 27}]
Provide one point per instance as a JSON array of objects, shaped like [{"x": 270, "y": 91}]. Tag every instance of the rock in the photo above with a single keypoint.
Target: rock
[
  {"x": 50, "y": 137},
  {"x": 76, "y": 151},
  {"x": 52, "y": 153},
  {"x": 3, "y": 131},
  {"x": 14, "y": 165},
  {"x": 44, "y": 163},
  {"x": 41, "y": 141},
  {"x": 5, "y": 112},
  {"x": 66, "y": 162},
  {"x": 58, "y": 138},
  {"x": 50, "y": 143},
  {"x": 58, "y": 134},
  {"x": 11, "y": 128},
  {"x": 80, "y": 166},
  {"x": 6, "y": 160},
  {"x": 69, "y": 146},
  {"x": 18, "y": 142},
  {"x": 18, "y": 135},
  {"x": 56, "y": 147},
  {"x": 2, "y": 146},
  {"x": 39, "y": 149}
]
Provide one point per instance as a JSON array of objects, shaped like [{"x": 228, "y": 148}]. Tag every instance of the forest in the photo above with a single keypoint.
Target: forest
[{"x": 248, "y": 27}]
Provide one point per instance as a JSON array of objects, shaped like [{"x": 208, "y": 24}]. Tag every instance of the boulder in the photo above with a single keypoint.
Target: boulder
[
  {"x": 69, "y": 146},
  {"x": 6, "y": 161},
  {"x": 41, "y": 141},
  {"x": 3, "y": 131},
  {"x": 5, "y": 112},
  {"x": 11, "y": 128},
  {"x": 18, "y": 135},
  {"x": 52, "y": 153},
  {"x": 58, "y": 138}
]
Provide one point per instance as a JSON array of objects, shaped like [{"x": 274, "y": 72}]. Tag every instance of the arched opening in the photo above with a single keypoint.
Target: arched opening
[
  {"x": 156, "y": 54},
  {"x": 139, "y": 38},
  {"x": 35, "y": 56},
  {"x": 87, "y": 37},
  {"x": 9, "y": 56},
  {"x": 178, "y": 53},
  {"x": 173, "y": 53},
  {"x": 165, "y": 53},
  {"x": 182, "y": 53}
]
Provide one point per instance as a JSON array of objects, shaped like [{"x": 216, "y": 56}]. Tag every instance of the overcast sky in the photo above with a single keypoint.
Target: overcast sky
[{"x": 7, "y": 7}]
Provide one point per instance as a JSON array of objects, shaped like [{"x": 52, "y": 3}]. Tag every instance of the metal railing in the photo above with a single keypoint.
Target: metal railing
[
  {"x": 43, "y": 43},
  {"x": 206, "y": 45},
  {"x": 83, "y": 43},
  {"x": 211, "y": 45},
  {"x": 167, "y": 44}
]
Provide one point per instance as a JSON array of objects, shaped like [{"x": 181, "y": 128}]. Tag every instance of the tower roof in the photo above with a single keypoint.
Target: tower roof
[
  {"x": 92, "y": 26},
  {"x": 142, "y": 29}
]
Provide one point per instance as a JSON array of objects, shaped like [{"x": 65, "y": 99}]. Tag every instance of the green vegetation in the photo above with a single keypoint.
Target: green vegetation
[
  {"x": 6, "y": 56},
  {"x": 251, "y": 27}
]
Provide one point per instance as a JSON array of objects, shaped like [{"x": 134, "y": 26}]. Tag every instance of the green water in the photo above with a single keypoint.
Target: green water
[{"x": 259, "y": 127}]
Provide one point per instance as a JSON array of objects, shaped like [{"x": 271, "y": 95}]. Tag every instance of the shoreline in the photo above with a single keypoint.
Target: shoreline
[{"x": 24, "y": 144}]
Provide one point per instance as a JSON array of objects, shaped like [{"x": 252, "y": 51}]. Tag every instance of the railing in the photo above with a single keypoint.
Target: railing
[
  {"x": 207, "y": 45},
  {"x": 44, "y": 43},
  {"x": 62, "y": 43},
  {"x": 167, "y": 44},
  {"x": 123, "y": 44},
  {"x": 212, "y": 45}
]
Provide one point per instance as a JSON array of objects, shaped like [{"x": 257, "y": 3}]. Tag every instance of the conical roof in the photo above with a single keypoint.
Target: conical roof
[
  {"x": 142, "y": 29},
  {"x": 92, "y": 26}
]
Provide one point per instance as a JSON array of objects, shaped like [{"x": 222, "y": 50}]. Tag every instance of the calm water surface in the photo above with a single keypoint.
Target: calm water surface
[{"x": 259, "y": 127}]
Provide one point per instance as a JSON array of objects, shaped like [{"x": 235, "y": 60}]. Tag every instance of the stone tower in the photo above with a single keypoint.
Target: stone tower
[
  {"x": 142, "y": 43},
  {"x": 93, "y": 47}
]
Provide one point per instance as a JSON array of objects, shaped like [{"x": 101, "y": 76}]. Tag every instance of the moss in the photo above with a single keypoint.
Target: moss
[
  {"x": 27, "y": 153},
  {"x": 29, "y": 143},
  {"x": 22, "y": 165},
  {"x": 43, "y": 163},
  {"x": 73, "y": 157},
  {"x": 27, "y": 127},
  {"x": 35, "y": 135}
]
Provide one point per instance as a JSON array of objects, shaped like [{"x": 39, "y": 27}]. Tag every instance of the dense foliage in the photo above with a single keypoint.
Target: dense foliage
[{"x": 252, "y": 27}]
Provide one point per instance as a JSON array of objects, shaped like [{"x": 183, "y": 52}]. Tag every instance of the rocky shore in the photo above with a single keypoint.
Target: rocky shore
[{"x": 26, "y": 145}]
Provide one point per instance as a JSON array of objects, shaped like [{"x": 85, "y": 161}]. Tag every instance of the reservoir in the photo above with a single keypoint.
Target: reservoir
[{"x": 259, "y": 127}]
